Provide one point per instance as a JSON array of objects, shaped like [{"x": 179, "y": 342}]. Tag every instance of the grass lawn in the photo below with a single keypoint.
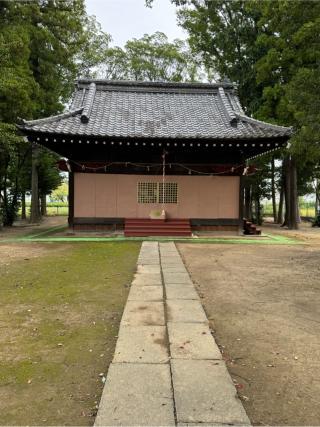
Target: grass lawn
[{"x": 60, "y": 309}]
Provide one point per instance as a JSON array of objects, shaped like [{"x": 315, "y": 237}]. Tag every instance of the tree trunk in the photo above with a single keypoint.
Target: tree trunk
[
  {"x": 287, "y": 186},
  {"x": 317, "y": 203},
  {"x": 273, "y": 191},
  {"x": 257, "y": 210},
  {"x": 5, "y": 199},
  {"x": 43, "y": 199},
  {"x": 23, "y": 206},
  {"x": 280, "y": 210},
  {"x": 35, "y": 213},
  {"x": 293, "y": 223}
]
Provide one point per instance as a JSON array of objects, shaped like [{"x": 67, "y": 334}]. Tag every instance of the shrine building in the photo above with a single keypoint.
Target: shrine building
[{"x": 155, "y": 158}]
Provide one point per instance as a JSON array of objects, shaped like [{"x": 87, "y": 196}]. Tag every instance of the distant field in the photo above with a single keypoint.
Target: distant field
[
  {"x": 57, "y": 210},
  {"x": 53, "y": 209},
  {"x": 304, "y": 211}
]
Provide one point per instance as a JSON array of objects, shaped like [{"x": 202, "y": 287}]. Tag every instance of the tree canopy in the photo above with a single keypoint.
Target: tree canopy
[
  {"x": 151, "y": 58},
  {"x": 271, "y": 50},
  {"x": 44, "y": 46}
]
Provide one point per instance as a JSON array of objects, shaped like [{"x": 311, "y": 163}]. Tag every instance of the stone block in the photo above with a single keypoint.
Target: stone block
[
  {"x": 145, "y": 279},
  {"x": 176, "y": 278},
  {"x": 188, "y": 311},
  {"x": 145, "y": 293},
  {"x": 136, "y": 395},
  {"x": 178, "y": 291},
  {"x": 144, "y": 313},
  {"x": 204, "y": 393},
  {"x": 141, "y": 344},
  {"x": 192, "y": 341}
]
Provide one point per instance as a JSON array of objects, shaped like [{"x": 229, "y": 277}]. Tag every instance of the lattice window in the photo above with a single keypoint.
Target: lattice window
[
  {"x": 170, "y": 193},
  {"x": 155, "y": 192},
  {"x": 147, "y": 192}
]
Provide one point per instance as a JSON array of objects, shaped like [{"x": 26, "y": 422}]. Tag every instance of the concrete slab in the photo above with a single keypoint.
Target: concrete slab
[
  {"x": 149, "y": 252},
  {"x": 147, "y": 280},
  {"x": 169, "y": 251},
  {"x": 149, "y": 246},
  {"x": 141, "y": 344},
  {"x": 149, "y": 255},
  {"x": 145, "y": 293},
  {"x": 192, "y": 341},
  {"x": 175, "y": 265},
  {"x": 171, "y": 261},
  {"x": 174, "y": 269},
  {"x": 155, "y": 269},
  {"x": 149, "y": 276},
  {"x": 173, "y": 255},
  {"x": 137, "y": 395},
  {"x": 187, "y": 311},
  {"x": 204, "y": 393},
  {"x": 186, "y": 285},
  {"x": 178, "y": 291},
  {"x": 202, "y": 425},
  {"x": 176, "y": 278},
  {"x": 148, "y": 261},
  {"x": 166, "y": 245},
  {"x": 199, "y": 425},
  {"x": 143, "y": 313}
]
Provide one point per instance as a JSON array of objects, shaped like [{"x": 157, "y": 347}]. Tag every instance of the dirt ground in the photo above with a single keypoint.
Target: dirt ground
[
  {"x": 21, "y": 228},
  {"x": 305, "y": 233},
  {"x": 263, "y": 303}
]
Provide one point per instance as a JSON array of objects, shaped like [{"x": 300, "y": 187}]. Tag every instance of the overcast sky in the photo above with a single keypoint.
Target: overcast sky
[{"x": 126, "y": 19}]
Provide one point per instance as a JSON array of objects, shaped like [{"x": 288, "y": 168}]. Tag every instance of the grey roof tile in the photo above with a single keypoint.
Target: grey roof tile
[{"x": 102, "y": 108}]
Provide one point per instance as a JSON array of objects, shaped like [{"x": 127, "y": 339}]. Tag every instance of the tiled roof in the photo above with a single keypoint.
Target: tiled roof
[{"x": 110, "y": 109}]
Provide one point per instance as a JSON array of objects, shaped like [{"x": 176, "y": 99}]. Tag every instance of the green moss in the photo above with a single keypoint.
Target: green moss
[
  {"x": 21, "y": 372},
  {"x": 72, "y": 276}
]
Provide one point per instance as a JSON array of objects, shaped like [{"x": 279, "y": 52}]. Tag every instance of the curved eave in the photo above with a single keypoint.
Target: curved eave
[{"x": 244, "y": 137}]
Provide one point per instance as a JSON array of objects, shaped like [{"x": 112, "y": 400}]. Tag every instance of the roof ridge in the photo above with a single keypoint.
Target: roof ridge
[
  {"x": 87, "y": 106},
  {"x": 154, "y": 84},
  {"x": 51, "y": 119},
  {"x": 265, "y": 124},
  {"x": 230, "y": 112}
]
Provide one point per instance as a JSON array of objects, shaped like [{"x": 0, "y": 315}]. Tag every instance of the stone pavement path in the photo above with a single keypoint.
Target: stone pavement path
[{"x": 167, "y": 369}]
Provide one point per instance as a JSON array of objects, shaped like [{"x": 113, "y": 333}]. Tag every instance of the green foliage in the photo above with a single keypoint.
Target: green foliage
[
  {"x": 13, "y": 151},
  {"x": 44, "y": 46},
  {"x": 290, "y": 73},
  {"x": 151, "y": 58},
  {"x": 60, "y": 195},
  {"x": 94, "y": 48},
  {"x": 271, "y": 49},
  {"x": 223, "y": 34},
  {"x": 49, "y": 176}
]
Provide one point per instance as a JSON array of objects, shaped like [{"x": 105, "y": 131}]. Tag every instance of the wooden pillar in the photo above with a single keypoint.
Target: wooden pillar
[
  {"x": 241, "y": 202},
  {"x": 71, "y": 199}
]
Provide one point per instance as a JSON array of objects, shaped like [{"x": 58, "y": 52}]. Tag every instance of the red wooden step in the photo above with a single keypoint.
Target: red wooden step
[{"x": 156, "y": 227}]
